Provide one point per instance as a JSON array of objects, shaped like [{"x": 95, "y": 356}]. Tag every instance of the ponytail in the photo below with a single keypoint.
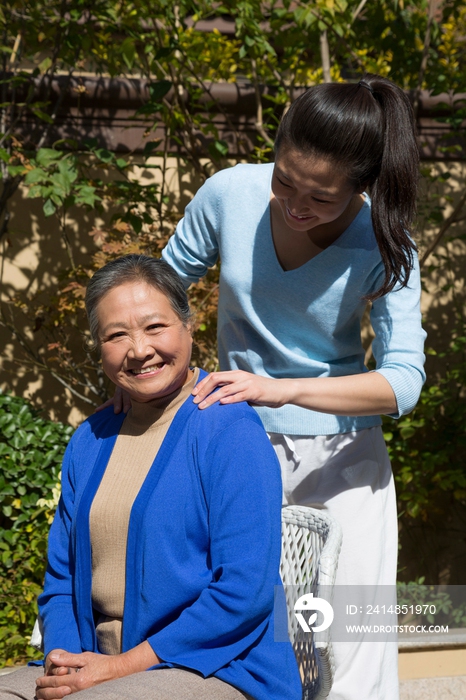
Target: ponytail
[
  {"x": 368, "y": 129},
  {"x": 394, "y": 190}
]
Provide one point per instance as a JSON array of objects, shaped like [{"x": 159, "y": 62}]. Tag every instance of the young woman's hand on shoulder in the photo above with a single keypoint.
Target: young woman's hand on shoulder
[
  {"x": 363, "y": 394},
  {"x": 235, "y": 386}
]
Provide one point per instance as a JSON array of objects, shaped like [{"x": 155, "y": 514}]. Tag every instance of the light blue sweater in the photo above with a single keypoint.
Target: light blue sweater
[{"x": 304, "y": 322}]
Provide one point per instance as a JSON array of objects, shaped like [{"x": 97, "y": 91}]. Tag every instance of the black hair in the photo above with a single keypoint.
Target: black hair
[
  {"x": 368, "y": 129},
  {"x": 136, "y": 268}
]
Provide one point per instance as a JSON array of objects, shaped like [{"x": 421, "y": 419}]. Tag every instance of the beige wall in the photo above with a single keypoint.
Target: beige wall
[
  {"x": 432, "y": 664},
  {"x": 33, "y": 255}
]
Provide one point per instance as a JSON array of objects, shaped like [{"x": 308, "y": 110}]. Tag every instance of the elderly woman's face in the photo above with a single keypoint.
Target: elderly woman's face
[{"x": 145, "y": 347}]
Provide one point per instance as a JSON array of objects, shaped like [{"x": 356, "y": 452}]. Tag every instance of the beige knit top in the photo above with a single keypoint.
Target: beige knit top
[{"x": 136, "y": 447}]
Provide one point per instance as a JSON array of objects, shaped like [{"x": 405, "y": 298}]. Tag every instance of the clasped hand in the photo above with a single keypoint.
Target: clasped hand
[{"x": 67, "y": 673}]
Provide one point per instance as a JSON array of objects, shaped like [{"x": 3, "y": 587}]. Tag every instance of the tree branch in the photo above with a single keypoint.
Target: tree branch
[
  {"x": 325, "y": 56},
  {"x": 259, "y": 124},
  {"x": 433, "y": 4},
  {"x": 452, "y": 219},
  {"x": 330, "y": 27},
  {"x": 358, "y": 10}
]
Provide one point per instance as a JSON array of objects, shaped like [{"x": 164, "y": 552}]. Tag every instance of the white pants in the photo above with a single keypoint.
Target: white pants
[{"x": 350, "y": 477}]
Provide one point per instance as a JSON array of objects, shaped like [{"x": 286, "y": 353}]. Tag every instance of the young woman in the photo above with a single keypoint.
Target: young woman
[{"x": 303, "y": 250}]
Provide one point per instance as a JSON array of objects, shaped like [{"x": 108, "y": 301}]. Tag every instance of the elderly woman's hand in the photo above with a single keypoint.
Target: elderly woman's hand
[
  {"x": 50, "y": 669},
  {"x": 67, "y": 673}
]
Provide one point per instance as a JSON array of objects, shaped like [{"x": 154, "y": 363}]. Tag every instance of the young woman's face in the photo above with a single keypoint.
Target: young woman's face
[
  {"x": 310, "y": 191},
  {"x": 145, "y": 347}
]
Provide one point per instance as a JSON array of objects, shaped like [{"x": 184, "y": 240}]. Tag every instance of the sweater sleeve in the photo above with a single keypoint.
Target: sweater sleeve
[
  {"x": 56, "y": 603},
  {"x": 194, "y": 246},
  {"x": 241, "y": 480},
  {"x": 399, "y": 342}
]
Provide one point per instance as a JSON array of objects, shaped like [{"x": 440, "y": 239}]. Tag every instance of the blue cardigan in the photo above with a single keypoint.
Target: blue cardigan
[{"x": 203, "y": 550}]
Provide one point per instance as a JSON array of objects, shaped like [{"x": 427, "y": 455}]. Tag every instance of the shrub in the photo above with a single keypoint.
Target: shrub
[
  {"x": 31, "y": 450},
  {"x": 428, "y": 449}
]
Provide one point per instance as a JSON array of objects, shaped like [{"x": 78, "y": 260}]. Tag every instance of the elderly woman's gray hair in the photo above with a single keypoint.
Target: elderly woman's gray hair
[{"x": 136, "y": 268}]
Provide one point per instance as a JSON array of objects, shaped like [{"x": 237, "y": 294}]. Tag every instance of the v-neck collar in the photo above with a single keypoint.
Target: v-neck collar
[{"x": 335, "y": 244}]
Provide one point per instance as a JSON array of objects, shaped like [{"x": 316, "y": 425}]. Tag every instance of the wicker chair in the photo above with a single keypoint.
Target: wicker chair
[{"x": 311, "y": 543}]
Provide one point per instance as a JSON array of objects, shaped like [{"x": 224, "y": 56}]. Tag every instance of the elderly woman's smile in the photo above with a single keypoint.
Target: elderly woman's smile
[{"x": 145, "y": 346}]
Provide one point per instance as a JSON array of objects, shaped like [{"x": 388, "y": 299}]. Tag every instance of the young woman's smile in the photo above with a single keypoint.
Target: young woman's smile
[{"x": 144, "y": 345}]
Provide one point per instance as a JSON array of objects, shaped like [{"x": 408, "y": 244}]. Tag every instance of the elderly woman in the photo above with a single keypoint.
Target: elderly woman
[{"x": 162, "y": 558}]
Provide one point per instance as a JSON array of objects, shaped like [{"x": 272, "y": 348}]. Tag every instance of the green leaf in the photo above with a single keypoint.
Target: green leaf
[
  {"x": 87, "y": 195},
  {"x": 35, "y": 175},
  {"x": 49, "y": 208},
  {"x": 45, "y": 64},
  {"x": 15, "y": 170},
  {"x": 70, "y": 143},
  {"x": 104, "y": 155},
  {"x": 149, "y": 108},
  {"x": 164, "y": 52},
  {"x": 61, "y": 184},
  {"x": 42, "y": 115},
  {"x": 128, "y": 50},
  {"x": 159, "y": 89},
  {"x": 46, "y": 156},
  {"x": 407, "y": 432},
  {"x": 150, "y": 147},
  {"x": 57, "y": 196},
  {"x": 67, "y": 169},
  {"x": 133, "y": 220},
  {"x": 218, "y": 149},
  {"x": 34, "y": 192},
  {"x": 91, "y": 144}
]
